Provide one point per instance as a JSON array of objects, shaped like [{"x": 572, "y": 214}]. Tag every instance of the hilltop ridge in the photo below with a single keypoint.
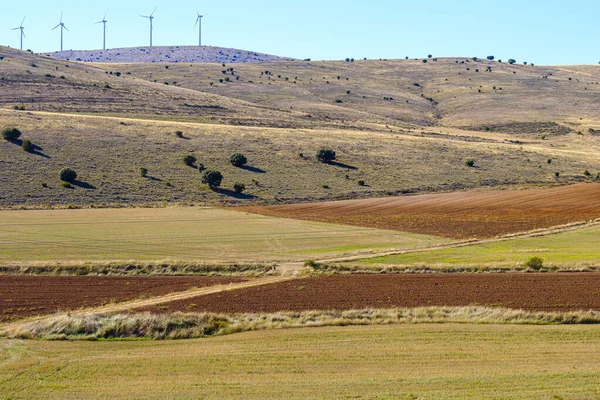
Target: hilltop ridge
[{"x": 188, "y": 54}]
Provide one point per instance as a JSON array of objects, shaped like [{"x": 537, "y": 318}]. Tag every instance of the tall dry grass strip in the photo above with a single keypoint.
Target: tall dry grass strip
[{"x": 187, "y": 326}]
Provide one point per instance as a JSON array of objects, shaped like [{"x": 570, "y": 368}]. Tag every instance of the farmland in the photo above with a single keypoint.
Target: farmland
[
  {"x": 572, "y": 249},
  {"x": 25, "y": 296},
  {"x": 459, "y": 215},
  {"x": 442, "y": 165},
  {"x": 540, "y": 292},
  {"x": 428, "y": 361},
  {"x": 193, "y": 234}
]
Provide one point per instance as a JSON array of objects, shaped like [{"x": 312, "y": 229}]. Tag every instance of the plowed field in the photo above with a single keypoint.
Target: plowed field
[
  {"x": 25, "y": 296},
  {"x": 544, "y": 292},
  {"x": 460, "y": 215}
]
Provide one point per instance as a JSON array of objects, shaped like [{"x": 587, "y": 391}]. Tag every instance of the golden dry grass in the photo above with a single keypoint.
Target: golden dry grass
[{"x": 451, "y": 361}]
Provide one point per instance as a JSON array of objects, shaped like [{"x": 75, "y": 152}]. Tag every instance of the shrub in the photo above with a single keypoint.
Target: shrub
[
  {"x": 179, "y": 134},
  {"x": 212, "y": 178},
  {"x": 44, "y": 185},
  {"x": 66, "y": 185},
  {"x": 326, "y": 155},
  {"x": 338, "y": 101},
  {"x": 557, "y": 174},
  {"x": 68, "y": 175},
  {"x": 549, "y": 161},
  {"x": 325, "y": 186},
  {"x": 491, "y": 58},
  {"x": 27, "y": 146},
  {"x": 361, "y": 183},
  {"x": 239, "y": 187},
  {"x": 587, "y": 173},
  {"x": 511, "y": 61},
  {"x": 143, "y": 172},
  {"x": 11, "y": 134},
  {"x": 470, "y": 162},
  {"x": 237, "y": 160},
  {"x": 189, "y": 160},
  {"x": 534, "y": 263}
]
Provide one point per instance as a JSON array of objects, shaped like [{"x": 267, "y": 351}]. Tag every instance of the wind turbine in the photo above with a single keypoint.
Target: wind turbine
[
  {"x": 151, "y": 17},
  {"x": 21, "y": 27},
  {"x": 62, "y": 26},
  {"x": 199, "y": 24},
  {"x": 104, "y": 21}
]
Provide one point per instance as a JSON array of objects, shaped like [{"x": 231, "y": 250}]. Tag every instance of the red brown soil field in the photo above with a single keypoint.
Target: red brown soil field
[
  {"x": 25, "y": 296},
  {"x": 543, "y": 292},
  {"x": 460, "y": 215}
]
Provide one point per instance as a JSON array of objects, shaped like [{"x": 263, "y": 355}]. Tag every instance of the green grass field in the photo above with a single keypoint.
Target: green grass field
[
  {"x": 449, "y": 361},
  {"x": 181, "y": 234},
  {"x": 578, "y": 248}
]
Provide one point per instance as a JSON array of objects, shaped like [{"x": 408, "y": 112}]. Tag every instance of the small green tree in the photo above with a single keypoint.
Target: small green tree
[
  {"x": 470, "y": 163},
  {"x": 238, "y": 160},
  {"x": 27, "y": 146},
  {"x": 535, "y": 263},
  {"x": 326, "y": 155},
  {"x": 212, "y": 178},
  {"x": 143, "y": 172},
  {"x": 11, "y": 134},
  {"x": 239, "y": 187},
  {"x": 189, "y": 160},
  {"x": 68, "y": 175}
]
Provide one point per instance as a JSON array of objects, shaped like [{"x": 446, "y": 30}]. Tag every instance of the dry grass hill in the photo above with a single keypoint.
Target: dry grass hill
[{"x": 398, "y": 126}]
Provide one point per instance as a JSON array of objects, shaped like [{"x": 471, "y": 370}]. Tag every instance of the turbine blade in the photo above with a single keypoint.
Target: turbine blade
[
  {"x": 65, "y": 27},
  {"x": 56, "y": 27},
  {"x": 14, "y": 29},
  {"x": 144, "y": 16},
  {"x": 23, "y": 20},
  {"x": 24, "y": 34},
  {"x": 154, "y": 11},
  {"x": 61, "y": 15},
  {"x": 105, "y": 14},
  {"x": 197, "y": 19}
]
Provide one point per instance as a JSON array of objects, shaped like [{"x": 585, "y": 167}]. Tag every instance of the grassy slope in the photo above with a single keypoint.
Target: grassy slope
[
  {"x": 187, "y": 234},
  {"x": 407, "y": 361},
  {"x": 576, "y": 248},
  {"x": 398, "y": 158},
  {"x": 108, "y": 152}
]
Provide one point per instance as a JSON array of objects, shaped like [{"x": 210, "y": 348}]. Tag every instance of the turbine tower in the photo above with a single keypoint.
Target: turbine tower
[
  {"x": 104, "y": 21},
  {"x": 151, "y": 17},
  {"x": 62, "y": 26},
  {"x": 199, "y": 24},
  {"x": 21, "y": 27}
]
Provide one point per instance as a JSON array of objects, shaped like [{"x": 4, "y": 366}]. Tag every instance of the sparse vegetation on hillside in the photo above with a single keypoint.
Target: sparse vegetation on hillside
[
  {"x": 68, "y": 175},
  {"x": 212, "y": 178},
  {"x": 11, "y": 133},
  {"x": 238, "y": 160},
  {"x": 326, "y": 155}
]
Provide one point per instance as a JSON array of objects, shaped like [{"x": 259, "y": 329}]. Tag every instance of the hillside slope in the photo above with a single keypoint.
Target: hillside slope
[{"x": 109, "y": 120}]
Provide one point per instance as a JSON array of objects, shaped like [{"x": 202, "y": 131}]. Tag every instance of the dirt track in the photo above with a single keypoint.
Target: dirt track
[
  {"x": 460, "y": 215},
  {"x": 25, "y": 296},
  {"x": 544, "y": 292}
]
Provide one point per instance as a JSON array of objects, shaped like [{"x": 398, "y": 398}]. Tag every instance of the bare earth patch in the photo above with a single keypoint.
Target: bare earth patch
[
  {"x": 26, "y": 296},
  {"x": 460, "y": 215},
  {"x": 539, "y": 292}
]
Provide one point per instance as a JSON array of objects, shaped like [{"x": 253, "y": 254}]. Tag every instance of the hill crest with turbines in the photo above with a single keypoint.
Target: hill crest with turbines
[{"x": 162, "y": 54}]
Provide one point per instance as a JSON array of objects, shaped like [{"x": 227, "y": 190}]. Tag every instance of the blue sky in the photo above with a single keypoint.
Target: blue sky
[{"x": 542, "y": 32}]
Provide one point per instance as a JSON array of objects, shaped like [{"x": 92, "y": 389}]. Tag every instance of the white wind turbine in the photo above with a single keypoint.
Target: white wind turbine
[
  {"x": 62, "y": 26},
  {"x": 199, "y": 24},
  {"x": 104, "y": 21},
  {"x": 21, "y": 28},
  {"x": 150, "y": 17}
]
